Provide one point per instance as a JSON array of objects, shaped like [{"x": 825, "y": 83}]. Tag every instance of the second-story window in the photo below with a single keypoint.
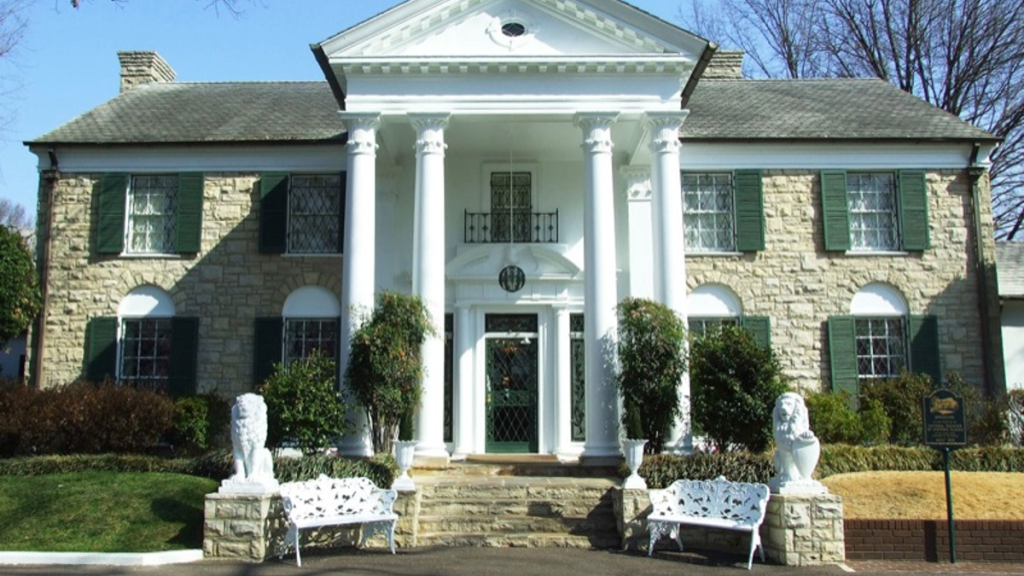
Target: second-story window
[
  {"x": 511, "y": 206},
  {"x": 302, "y": 213},
  {"x": 708, "y": 212},
  {"x": 152, "y": 209},
  {"x": 873, "y": 217}
]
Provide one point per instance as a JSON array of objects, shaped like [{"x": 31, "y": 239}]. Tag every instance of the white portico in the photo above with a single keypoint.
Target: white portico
[{"x": 510, "y": 132}]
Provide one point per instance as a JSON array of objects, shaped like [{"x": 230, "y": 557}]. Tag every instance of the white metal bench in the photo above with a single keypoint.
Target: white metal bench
[
  {"x": 715, "y": 503},
  {"x": 336, "y": 502}
]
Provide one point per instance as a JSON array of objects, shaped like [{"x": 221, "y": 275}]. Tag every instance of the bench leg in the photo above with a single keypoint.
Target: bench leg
[
  {"x": 298, "y": 558},
  {"x": 755, "y": 542},
  {"x": 391, "y": 535}
]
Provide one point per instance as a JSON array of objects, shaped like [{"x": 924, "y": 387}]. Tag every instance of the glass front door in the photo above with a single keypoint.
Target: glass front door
[{"x": 511, "y": 382}]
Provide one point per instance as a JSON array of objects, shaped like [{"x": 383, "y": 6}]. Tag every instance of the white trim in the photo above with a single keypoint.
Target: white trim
[
  {"x": 823, "y": 155},
  {"x": 311, "y": 302},
  {"x": 175, "y": 159},
  {"x": 146, "y": 302},
  {"x": 714, "y": 301},
  {"x": 101, "y": 559},
  {"x": 877, "y": 299}
]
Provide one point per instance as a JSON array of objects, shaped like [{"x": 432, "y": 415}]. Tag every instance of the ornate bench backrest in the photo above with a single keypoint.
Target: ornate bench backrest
[
  {"x": 327, "y": 496},
  {"x": 742, "y": 502}
]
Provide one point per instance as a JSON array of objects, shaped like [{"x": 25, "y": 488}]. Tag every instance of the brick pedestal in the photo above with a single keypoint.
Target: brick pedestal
[{"x": 804, "y": 530}]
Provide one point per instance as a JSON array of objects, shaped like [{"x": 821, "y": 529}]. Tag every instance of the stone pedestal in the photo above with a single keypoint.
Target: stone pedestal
[
  {"x": 631, "y": 510},
  {"x": 245, "y": 527},
  {"x": 804, "y": 530}
]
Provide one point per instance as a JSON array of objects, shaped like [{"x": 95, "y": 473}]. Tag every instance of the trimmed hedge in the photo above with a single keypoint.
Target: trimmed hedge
[
  {"x": 661, "y": 470},
  {"x": 216, "y": 465}
]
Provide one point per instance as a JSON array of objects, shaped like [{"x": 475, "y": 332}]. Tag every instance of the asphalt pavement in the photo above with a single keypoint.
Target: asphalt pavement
[{"x": 442, "y": 561}]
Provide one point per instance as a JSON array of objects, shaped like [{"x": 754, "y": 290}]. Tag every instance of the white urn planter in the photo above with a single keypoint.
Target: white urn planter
[
  {"x": 404, "y": 452},
  {"x": 633, "y": 450}
]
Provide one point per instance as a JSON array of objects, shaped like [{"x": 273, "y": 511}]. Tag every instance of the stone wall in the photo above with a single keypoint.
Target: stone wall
[
  {"x": 804, "y": 530},
  {"x": 796, "y": 283},
  {"x": 228, "y": 284}
]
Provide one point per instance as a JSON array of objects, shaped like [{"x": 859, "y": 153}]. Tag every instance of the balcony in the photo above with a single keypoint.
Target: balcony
[{"x": 511, "y": 227}]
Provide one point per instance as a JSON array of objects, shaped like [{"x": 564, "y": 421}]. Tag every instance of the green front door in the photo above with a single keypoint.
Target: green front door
[{"x": 512, "y": 383}]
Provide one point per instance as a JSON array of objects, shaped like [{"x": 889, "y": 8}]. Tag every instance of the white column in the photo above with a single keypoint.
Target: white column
[
  {"x": 428, "y": 276},
  {"x": 563, "y": 384},
  {"x": 465, "y": 399},
  {"x": 669, "y": 243},
  {"x": 641, "y": 244},
  {"x": 359, "y": 259},
  {"x": 600, "y": 288}
]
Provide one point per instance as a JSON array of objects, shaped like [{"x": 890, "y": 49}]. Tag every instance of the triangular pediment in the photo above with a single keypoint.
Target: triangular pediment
[{"x": 446, "y": 30}]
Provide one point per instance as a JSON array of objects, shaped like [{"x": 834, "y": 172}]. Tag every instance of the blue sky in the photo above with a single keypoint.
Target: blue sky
[{"x": 67, "y": 62}]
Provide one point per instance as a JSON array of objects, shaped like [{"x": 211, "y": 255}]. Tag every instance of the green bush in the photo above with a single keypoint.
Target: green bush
[
  {"x": 19, "y": 287},
  {"x": 834, "y": 422},
  {"x": 900, "y": 398},
  {"x": 660, "y": 470},
  {"x": 385, "y": 369},
  {"x": 199, "y": 422},
  {"x": 1015, "y": 417},
  {"x": 652, "y": 363},
  {"x": 82, "y": 418},
  {"x": 304, "y": 405},
  {"x": 735, "y": 384}
]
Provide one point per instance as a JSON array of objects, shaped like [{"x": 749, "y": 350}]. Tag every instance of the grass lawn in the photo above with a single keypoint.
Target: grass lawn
[{"x": 102, "y": 512}]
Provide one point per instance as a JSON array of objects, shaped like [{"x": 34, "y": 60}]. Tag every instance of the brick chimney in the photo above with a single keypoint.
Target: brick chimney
[
  {"x": 142, "y": 68},
  {"x": 725, "y": 65}
]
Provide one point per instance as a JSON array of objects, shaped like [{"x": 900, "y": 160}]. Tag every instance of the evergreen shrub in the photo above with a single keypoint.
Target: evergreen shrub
[
  {"x": 304, "y": 405},
  {"x": 834, "y": 422},
  {"x": 200, "y": 422},
  {"x": 735, "y": 382}
]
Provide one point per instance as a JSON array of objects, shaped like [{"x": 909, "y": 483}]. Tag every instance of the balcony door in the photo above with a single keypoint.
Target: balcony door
[{"x": 511, "y": 206}]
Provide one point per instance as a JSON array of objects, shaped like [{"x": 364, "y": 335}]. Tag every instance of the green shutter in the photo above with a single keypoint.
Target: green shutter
[
  {"x": 267, "y": 352},
  {"x": 835, "y": 210},
  {"x": 341, "y": 213},
  {"x": 101, "y": 349},
  {"x": 113, "y": 190},
  {"x": 760, "y": 327},
  {"x": 842, "y": 346},
  {"x": 188, "y": 229},
  {"x": 273, "y": 213},
  {"x": 913, "y": 210},
  {"x": 924, "y": 346},
  {"x": 184, "y": 357},
  {"x": 749, "y": 211}
]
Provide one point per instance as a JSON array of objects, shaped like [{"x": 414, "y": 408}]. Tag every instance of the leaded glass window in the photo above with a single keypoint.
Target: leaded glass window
[
  {"x": 146, "y": 352},
  {"x": 314, "y": 209},
  {"x": 304, "y": 336},
  {"x": 708, "y": 212},
  {"x": 881, "y": 347},
  {"x": 873, "y": 217},
  {"x": 701, "y": 326},
  {"x": 577, "y": 362},
  {"x": 511, "y": 206},
  {"x": 152, "y": 207},
  {"x": 449, "y": 376}
]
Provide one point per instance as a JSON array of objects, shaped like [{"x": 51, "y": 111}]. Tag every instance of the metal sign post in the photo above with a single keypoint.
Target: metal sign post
[{"x": 945, "y": 429}]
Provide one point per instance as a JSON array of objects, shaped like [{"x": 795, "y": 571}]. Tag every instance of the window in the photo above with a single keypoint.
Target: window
[
  {"x": 302, "y": 213},
  {"x": 875, "y": 211},
  {"x": 511, "y": 206},
  {"x": 150, "y": 214},
  {"x": 712, "y": 306},
  {"x": 880, "y": 339},
  {"x": 147, "y": 345},
  {"x": 309, "y": 321},
  {"x": 723, "y": 212}
]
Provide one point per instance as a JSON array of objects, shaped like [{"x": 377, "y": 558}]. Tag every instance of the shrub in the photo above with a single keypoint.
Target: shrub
[
  {"x": 652, "y": 363},
  {"x": 19, "y": 288},
  {"x": 900, "y": 399},
  {"x": 660, "y": 470},
  {"x": 83, "y": 418},
  {"x": 384, "y": 367},
  {"x": 199, "y": 422},
  {"x": 1015, "y": 417},
  {"x": 304, "y": 405},
  {"x": 735, "y": 385},
  {"x": 834, "y": 422}
]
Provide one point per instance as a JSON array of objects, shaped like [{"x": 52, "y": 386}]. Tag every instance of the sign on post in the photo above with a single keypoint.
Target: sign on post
[{"x": 945, "y": 429}]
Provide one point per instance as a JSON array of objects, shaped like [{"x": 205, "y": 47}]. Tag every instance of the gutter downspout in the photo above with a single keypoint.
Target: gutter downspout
[
  {"x": 698, "y": 72},
  {"x": 975, "y": 172},
  {"x": 44, "y": 226}
]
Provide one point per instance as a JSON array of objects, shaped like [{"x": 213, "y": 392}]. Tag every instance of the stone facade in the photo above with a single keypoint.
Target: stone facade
[
  {"x": 793, "y": 281},
  {"x": 804, "y": 530}
]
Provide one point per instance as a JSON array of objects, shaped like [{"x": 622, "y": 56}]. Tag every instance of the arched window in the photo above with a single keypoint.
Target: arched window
[
  {"x": 310, "y": 320},
  {"x": 712, "y": 305},
  {"x": 146, "y": 345},
  {"x": 880, "y": 339}
]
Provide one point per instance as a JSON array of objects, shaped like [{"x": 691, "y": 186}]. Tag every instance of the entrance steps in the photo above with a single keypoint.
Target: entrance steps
[{"x": 528, "y": 501}]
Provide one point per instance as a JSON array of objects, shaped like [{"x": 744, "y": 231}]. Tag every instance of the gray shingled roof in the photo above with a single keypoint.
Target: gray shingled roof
[
  {"x": 836, "y": 109},
  {"x": 1010, "y": 269},
  {"x": 209, "y": 112},
  {"x": 307, "y": 111}
]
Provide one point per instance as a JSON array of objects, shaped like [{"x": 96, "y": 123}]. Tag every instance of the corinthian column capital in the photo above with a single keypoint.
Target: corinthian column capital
[
  {"x": 664, "y": 128},
  {"x": 430, "y": 132},
  {"x": 597, "y": 131},
  {"x": 362, "y": 131}
]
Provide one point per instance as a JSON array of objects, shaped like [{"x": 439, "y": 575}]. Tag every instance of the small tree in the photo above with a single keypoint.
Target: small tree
[
  {"x": 735, "y": 384},
  {"x": 652, "y": 362},
  {"x": 385, "y": 369},
  {"x": 19, "y": 289},
  {"x": 304, "y": 405}
]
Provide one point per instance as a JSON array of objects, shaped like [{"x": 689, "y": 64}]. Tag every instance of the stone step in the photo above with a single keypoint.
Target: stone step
[
  {"x": 543, "y": 508},
  {"x": 516, "y": 524},
  {"x": 516, "y": 540}
]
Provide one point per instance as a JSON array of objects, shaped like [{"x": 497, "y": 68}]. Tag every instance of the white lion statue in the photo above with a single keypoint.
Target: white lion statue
[
  {"x": 252, "y": 462},
  {"x": 796, "y": 448}
]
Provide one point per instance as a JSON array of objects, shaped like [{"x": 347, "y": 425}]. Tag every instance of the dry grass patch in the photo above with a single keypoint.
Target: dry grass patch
[{"x": 922, "y": 495}]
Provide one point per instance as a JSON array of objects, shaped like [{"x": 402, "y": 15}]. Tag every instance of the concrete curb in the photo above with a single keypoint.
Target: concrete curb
[{"x": 101, "y": 559}]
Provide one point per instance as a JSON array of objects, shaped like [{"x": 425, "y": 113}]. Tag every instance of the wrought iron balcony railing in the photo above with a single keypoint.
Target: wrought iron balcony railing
[{"x": 516, "y": 227}]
